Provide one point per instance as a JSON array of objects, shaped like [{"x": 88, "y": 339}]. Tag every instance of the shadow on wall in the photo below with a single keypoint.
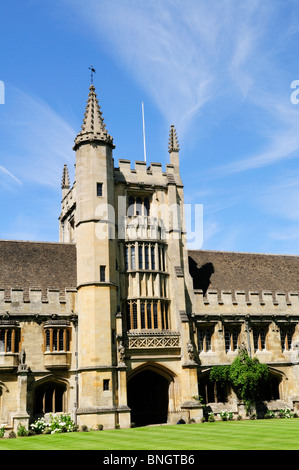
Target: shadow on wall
[{"x": 201, "y": 276}]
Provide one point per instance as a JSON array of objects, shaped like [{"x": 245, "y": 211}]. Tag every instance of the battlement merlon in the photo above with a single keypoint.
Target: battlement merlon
[
  {"x": 141, "y": 174},
  {"x": 35, "y": 299},
  {"x": 241, "y": 302}
]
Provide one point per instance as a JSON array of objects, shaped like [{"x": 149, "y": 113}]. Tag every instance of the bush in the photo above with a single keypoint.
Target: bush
[
  {"x": 22, "y": 431},
  {"x": 2, "y": 432},
  {"x": 285, "y": 413},
  {"x": 56, "y": 424},
  {"x": 12, "y": 435},
  {"x": 38, "y": 426},
  {"x": 100, "y": 427},
  {"x": 84, "y": 428},
  {"x": 211, "y": 417},
  {"x": 226, "y": 415},
  {"x": 269, "y": 414}
]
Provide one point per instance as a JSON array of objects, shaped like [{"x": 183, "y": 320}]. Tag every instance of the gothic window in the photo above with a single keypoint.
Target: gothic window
[
  {"x": 259, "y": 338},
  {"x": 146, "y": 206},
  {"x": 138, "y": 206},
  {"x": 146, "y": 257},
  {"x": 286, "y": 336},
  {"x": 133, "y": 257},
  {"x": 57, "y": 339},
  {"x": 135, "y": 323},
  {"x": 140, "y": 256},
  {"x": 147, "y": 314},
  {"x": 126, "y": 258},
  {"x": 8, "y": 340},
  {"x": 205, "y": 339},
  {"x": 142, "y": 314},
  {"x": 231, "y": 339},
  {"x": 138, "y": 210},
  {"x": 153, "y": 257},
  {"x": 131, "y": 208}
]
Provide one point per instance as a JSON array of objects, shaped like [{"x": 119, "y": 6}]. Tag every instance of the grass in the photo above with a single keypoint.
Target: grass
[{"x": 272, "y": 434}]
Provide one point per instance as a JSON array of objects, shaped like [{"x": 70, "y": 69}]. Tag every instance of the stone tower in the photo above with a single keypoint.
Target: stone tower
[
  {"x": 135, "y": 359},
  {"x": 96, "y": 268}
]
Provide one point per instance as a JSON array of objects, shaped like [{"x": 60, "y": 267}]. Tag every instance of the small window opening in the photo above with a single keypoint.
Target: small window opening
[
  {"x": 102, "y": 273},
  {"x": 99, "y": 189}
]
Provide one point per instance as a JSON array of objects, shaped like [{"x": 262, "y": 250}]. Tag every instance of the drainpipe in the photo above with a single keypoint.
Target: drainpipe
[{"x": 76, "y": 372}]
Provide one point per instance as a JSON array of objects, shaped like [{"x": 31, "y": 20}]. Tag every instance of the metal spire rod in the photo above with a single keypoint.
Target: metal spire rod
[
  {"x": 143, "y": 133},
  {"x": 92, "y": 71}
]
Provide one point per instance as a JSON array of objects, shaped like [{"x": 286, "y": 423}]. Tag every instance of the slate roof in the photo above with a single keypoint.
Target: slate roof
[
  {"x": 37, "y": 264},
  {"x": 230, "y": 271}
]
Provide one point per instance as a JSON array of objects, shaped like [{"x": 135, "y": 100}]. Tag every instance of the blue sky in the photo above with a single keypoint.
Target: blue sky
[{"x": 219, "y": 70}]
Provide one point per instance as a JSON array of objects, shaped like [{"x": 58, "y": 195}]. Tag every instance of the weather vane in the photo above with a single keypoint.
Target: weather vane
[{"x": 92, "y": 71}]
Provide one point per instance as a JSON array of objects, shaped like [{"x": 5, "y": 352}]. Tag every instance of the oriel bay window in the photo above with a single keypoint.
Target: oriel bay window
[
  {"x": 9, "y": 338},
  {"x": 57, "y": 338},
  {"x": 147, "y": 314},
  {"x": 145, "y": 256},
  {"x": 139, "y": 205}
]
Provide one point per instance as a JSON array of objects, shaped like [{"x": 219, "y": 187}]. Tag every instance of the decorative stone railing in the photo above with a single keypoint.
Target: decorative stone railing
[{"x": 153, "y": 339}]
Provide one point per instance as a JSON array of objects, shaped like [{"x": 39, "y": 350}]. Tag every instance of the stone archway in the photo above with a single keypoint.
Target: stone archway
[
  {"x": 49, "y": 397},
  {"x": 148, "y": 396}
]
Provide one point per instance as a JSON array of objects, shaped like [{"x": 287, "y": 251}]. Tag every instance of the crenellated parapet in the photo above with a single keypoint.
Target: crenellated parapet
[
  {"x": 242, "y": 302},
  {"x": 37, "y": 300},
  {"x": 143, "y": 175}
]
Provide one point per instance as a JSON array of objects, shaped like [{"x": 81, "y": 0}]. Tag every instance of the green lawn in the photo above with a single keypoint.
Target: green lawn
[{"x": 272, "y": 434}]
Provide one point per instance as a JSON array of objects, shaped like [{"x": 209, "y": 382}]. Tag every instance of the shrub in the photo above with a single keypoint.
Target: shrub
[
  {"x": 285, "y": 413},
  {"x": 2, "y": 432},
  {"x": 211, "y": 417},
  {"x": 84, "y": 428},
  {"x": 226, "y": 415},
  {"x": 22, "y": 431},
  {"x": 117, "y": 426},
  {"x": 12, "y": 435},
  {"x": 100, "y": 427},
  {"x": 38, "y": 426},
  {"x": 269, "y": 414},
  {"x": 56, "y": 424}
]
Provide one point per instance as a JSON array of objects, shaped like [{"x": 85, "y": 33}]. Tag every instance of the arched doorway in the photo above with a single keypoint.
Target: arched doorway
[
  {"x": 49, "y": 398},
  {"x": 148, "y": 397}
]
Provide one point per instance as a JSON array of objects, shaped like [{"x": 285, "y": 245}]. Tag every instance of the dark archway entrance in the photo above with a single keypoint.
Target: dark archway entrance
[
  {"x": 49, "y": 398},
  {"x": 148, "y": 398}
]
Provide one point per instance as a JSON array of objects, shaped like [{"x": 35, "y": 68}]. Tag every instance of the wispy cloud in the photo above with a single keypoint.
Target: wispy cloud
[
  {"x": 184, "y": 54},
  {"x": 36, "y": 139}
]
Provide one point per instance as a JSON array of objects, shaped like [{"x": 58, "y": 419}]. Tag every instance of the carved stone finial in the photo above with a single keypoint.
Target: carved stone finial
[
  {"x": 65, "y": 182},
  {"x": 173, "y": 145}
]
